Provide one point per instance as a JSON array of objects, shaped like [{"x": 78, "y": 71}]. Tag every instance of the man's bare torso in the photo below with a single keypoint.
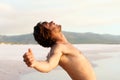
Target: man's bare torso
[
  {"x": 62, "y": 53},
  {"x": 76, "y": 65}
]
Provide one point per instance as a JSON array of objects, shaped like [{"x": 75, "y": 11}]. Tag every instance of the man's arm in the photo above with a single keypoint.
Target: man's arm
[{"x": 43, "y": 66}]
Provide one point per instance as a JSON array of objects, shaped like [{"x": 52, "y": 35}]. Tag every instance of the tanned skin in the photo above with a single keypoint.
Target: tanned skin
[{"x": 64, "y": 54}]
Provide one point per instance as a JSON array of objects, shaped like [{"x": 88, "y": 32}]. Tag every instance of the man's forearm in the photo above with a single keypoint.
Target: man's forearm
[{"x": 42, "y": 66}]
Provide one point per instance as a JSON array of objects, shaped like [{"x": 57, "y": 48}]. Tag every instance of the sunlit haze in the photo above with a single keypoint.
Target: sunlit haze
[{"x": 97, "y": 16}]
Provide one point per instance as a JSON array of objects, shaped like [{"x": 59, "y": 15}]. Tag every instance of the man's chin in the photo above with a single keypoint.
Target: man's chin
[{"x": 60, "y": 27}]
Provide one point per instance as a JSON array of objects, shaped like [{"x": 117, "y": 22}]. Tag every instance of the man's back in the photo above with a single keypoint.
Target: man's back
[{"x": 76, "y": 65}]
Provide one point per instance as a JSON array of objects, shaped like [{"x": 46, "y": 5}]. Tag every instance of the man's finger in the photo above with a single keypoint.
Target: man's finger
[
  {"x": 29, "y": 50},
  {"x": 24, "y": 55}
]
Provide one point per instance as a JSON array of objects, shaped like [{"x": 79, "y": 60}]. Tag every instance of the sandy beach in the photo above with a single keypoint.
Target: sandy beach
[{"x": 12, "y": 66}]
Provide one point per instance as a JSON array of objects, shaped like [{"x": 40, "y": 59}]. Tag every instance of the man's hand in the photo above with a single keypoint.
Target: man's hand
[{"x": 29, "y": 58}]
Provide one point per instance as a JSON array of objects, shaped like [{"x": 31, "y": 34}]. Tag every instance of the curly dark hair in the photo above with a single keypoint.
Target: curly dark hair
[{"x": 43, "y": 35}]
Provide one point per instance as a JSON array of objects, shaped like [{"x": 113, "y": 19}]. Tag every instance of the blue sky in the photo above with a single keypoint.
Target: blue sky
[{"x": 98, "y": 16}]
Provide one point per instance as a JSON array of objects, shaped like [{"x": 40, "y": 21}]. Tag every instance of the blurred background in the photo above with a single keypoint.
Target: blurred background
[{"x": 98, "y": 16}]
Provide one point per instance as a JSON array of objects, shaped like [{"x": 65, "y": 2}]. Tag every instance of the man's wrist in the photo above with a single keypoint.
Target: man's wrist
[{"x": 33, "y": 65}]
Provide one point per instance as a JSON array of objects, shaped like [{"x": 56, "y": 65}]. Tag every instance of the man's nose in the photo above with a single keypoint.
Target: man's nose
[{"x": 52, "y": 22}]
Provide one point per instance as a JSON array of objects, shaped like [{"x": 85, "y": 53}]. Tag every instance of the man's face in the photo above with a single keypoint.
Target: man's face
[{"x": 52, "y": 26}]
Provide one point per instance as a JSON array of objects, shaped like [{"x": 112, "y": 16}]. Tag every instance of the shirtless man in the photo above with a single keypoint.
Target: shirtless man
[{"x": 48, "y": 34}]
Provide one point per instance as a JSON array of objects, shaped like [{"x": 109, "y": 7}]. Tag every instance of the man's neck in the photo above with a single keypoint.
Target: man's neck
[{"x": 61, "y": 38}]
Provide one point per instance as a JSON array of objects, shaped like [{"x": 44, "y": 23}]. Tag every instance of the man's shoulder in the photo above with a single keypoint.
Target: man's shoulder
[
  {"x": 61, "y": 45},
  {"x": 57, "y": 46}
]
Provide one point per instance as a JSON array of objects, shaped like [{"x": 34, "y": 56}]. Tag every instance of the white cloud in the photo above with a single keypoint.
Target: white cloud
[{"x": 5, "y": 7}]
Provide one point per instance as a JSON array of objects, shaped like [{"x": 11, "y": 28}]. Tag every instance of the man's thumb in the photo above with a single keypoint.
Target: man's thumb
[{"x": 29, "y": 50}]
